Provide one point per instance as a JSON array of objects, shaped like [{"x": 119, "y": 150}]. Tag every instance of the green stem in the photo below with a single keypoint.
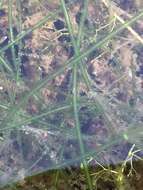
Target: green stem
[{"x": 75, "y": 92}]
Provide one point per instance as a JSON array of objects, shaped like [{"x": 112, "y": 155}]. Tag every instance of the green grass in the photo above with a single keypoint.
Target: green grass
[
  {"x": 75, "y": 86},
  {"x": 15, "y": 114}
]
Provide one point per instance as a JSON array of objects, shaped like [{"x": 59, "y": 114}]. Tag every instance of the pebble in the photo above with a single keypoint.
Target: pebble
[
  {"x": 2, "y": 13},
  {"x": 59, "y": 24}
]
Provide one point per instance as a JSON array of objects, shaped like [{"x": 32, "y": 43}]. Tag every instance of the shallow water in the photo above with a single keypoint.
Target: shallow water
[{"x": 40, "y": 128}]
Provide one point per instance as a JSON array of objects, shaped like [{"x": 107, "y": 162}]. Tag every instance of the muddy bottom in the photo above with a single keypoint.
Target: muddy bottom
[{"x": 109, "y": 178}]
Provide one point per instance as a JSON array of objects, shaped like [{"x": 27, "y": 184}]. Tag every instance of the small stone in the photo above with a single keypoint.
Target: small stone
[
  {"x": 70, "y": 51},
  {"x": 141, "y": 70},
  {"x": 78, "y": 19},
  {"x": 64, "y": 38},
  {"x": 4, "y": 41},
  {"x": 2, "y": 13},
  {"x": 24, "y": 59},
  {"x": 59, "y": 24}
]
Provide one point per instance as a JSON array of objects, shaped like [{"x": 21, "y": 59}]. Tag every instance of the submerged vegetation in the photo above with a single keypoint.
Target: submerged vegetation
[{"x": 71, "y": 94}]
